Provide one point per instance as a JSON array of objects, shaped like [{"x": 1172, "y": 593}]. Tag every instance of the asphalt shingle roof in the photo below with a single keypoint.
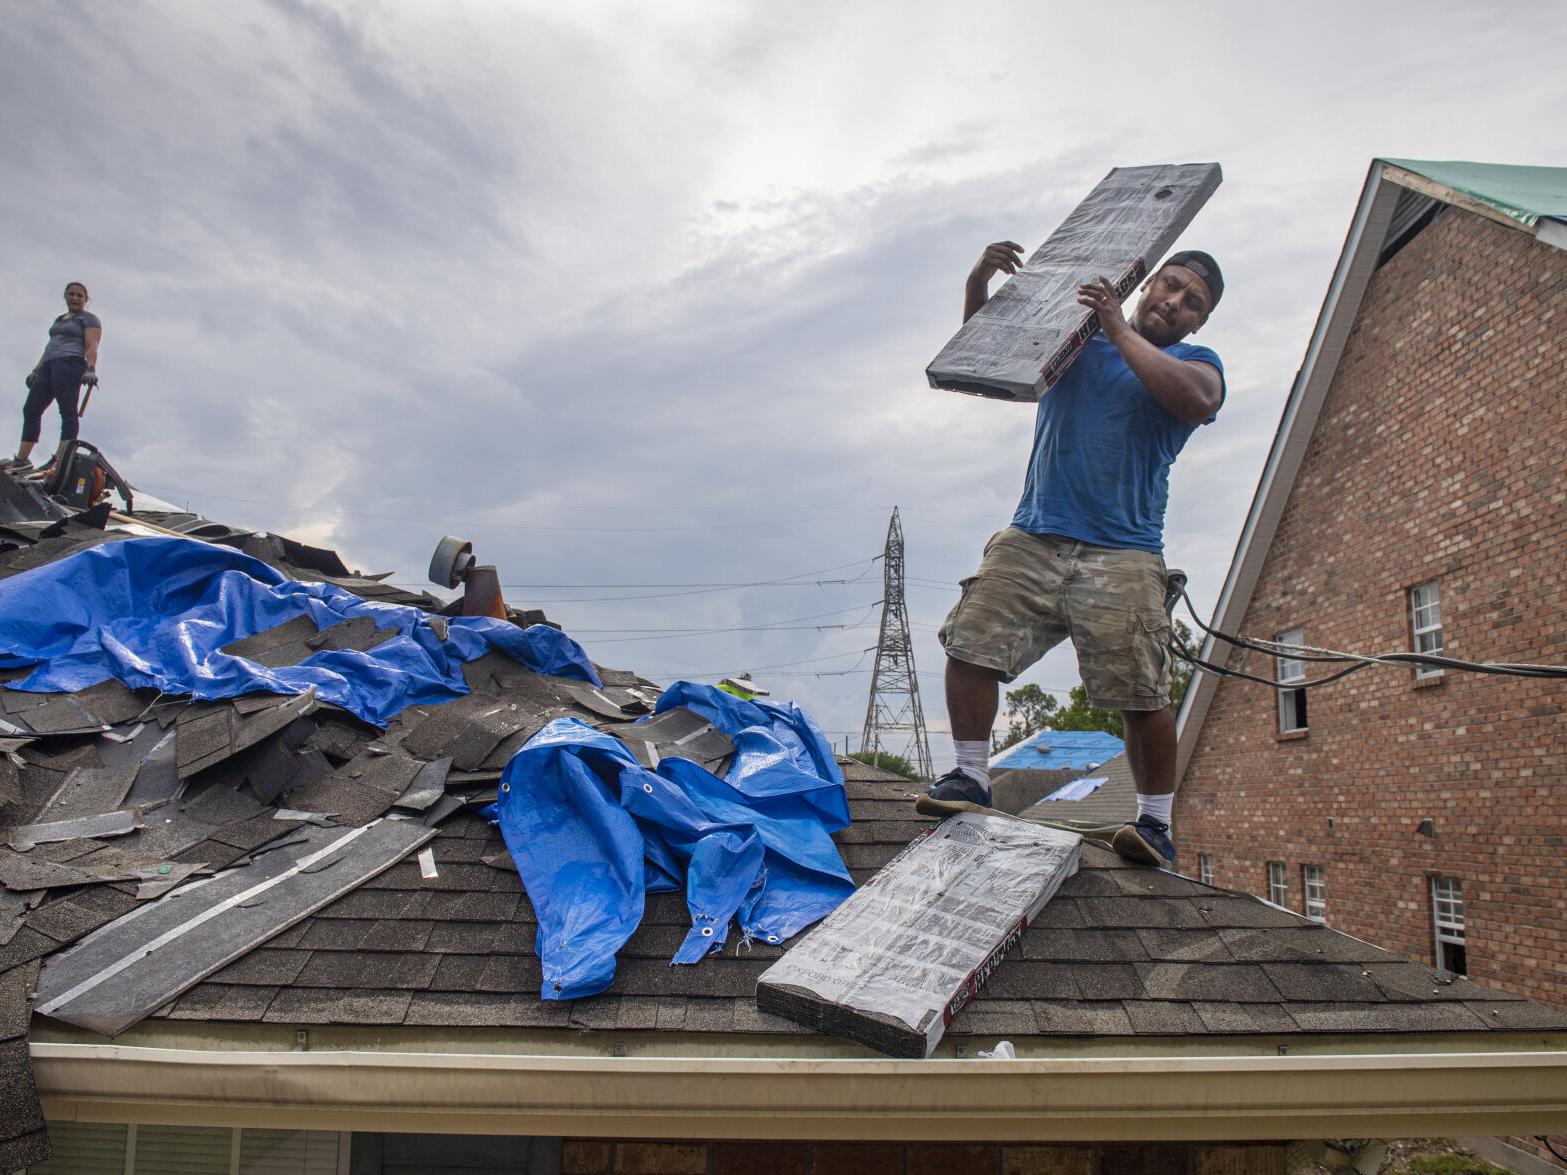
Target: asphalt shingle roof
[
  {"x": 1121, "y": 951},
  {"x": 1113, "y": 802}
]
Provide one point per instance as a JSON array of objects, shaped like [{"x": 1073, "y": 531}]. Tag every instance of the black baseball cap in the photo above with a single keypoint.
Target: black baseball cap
[{"x": 1204, "y": 267}]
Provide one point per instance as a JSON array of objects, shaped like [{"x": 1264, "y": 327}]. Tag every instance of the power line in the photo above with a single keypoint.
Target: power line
[
  {"x": 1280, "y": 650},
  {"x": 622, "y": 507},
  {"x": 786, "y": 581},
  {"x": 790, "y": 625},
  {"x": 628, "y": 640},
  {"x": 476, "y": 523},
  {"x": 760, "y": 668},
  {"x": 769, "y": 624}
]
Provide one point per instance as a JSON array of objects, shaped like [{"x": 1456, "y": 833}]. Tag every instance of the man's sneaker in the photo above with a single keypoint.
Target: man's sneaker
[
  {"x": 1147, "y": 841},
  {"x": 16, "y": 465},
  {"x": 959, "y": 785}
]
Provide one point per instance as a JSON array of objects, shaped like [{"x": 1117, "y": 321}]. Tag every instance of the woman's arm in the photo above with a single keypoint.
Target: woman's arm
[{"x": 90, "y": 337}]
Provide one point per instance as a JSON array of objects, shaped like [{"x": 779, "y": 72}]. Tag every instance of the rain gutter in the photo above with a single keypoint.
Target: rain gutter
[{"x": 1140, "y": 1098}]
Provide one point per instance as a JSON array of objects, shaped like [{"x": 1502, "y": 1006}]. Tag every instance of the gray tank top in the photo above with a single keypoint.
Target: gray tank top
[{"x": 67, "y": 336}]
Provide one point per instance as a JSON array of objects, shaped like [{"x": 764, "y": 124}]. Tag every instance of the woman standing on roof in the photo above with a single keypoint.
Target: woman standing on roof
[{"x": 68, "y": 362}]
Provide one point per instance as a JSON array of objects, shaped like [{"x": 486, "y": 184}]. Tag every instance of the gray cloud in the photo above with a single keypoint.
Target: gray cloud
[{"x": 630, "y": 296}]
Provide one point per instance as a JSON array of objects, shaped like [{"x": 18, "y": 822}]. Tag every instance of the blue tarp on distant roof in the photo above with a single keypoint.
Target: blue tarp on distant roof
[
  {"x": 592, "y": 832},
  {"x": 156, "y": 613},
  {"x": 1059, "y": 750}
]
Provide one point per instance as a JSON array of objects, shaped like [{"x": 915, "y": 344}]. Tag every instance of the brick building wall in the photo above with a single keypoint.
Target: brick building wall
[{"x": 1438, "y": 456}]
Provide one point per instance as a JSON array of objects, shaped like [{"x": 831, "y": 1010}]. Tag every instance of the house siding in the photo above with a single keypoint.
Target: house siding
[{"x": 1437, "y": 456}]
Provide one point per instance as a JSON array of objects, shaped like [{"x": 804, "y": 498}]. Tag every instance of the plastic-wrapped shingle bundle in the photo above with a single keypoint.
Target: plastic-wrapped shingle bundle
[
  {"x": 1024, "y": 338},
  {"x": 898, "y": 960}
]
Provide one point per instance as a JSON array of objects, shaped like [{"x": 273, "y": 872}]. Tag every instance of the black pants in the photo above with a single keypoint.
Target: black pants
[{"x": 59, "y": 380}]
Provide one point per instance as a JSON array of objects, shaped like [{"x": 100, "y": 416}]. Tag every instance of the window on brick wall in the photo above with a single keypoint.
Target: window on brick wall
[
  {"x": 1447, "y": 909},
  {"x": 1205, "y": 868},
  {"x": 1425, "y": 626},
  {"x": 1292, "y": 702},
  {"x": 1315, "y": 889},
  {"x": 1278, "y": 884}
]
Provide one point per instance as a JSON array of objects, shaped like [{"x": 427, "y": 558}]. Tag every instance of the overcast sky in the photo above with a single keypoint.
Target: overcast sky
[{"x": 642, "y": 294}]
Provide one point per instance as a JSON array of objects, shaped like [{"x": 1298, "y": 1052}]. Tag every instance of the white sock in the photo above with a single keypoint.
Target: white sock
[
  {"x": 972, "y": 759},
  {"x": 1159, "y": 807}
]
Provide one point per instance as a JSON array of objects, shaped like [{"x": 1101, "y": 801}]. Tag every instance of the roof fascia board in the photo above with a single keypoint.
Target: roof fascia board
[
  {"x": 1055, "y": 1099},
  {"x": 1416, "y": 182},
  {"x": 1550, "y": 231},
  {"x": 1357, "y": 262}
]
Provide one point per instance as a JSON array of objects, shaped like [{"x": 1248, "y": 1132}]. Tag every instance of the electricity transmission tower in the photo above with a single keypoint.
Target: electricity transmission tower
[{"x": 894, "y": 720}]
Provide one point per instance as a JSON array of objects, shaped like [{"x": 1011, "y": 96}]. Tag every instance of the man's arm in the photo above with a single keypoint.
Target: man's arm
[
  {"x": 1189, "y": 390},
  {"x": 1004, "y": 257}
]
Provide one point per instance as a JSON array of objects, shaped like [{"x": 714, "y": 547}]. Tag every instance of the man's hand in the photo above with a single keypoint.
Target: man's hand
[
  {"x": 1002, "y": 257},
  {"x": 1099, "y": 296}
]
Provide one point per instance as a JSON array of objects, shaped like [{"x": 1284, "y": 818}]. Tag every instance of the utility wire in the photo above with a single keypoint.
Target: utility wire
[
  {"x": 760, "y": 668},
  {"x": 665, "y": 634},
  {"x": 744, "y": 628},
  {"x": 622, "y": 507},
  {"x": 1353, "y": 662},
  {"x": 473, "y": 522},
  {"x": 800, "y": 575},
  {"x": 799, "y": 580},
  {"x": 629, "y": 640}
]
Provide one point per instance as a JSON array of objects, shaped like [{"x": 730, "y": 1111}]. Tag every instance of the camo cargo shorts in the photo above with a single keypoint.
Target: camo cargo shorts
[{"x": 1033, "y": 591}]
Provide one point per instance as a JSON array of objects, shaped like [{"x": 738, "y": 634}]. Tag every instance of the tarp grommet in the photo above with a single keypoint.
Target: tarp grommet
[
  {"x": 648, "y": 787},
  {"x": 707, "y": 932},
  {"x": 506, "y": 787}
]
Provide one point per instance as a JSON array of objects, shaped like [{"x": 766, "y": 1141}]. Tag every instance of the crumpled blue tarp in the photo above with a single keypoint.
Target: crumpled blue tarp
[
  {"x": 155, "y": 612},
  {"x": 592, "y": 831}
]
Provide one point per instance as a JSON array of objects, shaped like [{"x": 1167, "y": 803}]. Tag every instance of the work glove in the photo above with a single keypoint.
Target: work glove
[{"x": 90, "y": 378}]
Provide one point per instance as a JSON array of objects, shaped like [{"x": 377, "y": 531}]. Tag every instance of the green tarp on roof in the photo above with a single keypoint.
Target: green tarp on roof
[{"x": 1523, "y": 193}]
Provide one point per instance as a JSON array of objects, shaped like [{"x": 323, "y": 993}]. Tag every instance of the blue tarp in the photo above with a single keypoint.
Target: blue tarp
[
  {"x": 155, "y": 612},
  {"x": 592, "y": 831},
  {"x": 1059, "y": 750}
]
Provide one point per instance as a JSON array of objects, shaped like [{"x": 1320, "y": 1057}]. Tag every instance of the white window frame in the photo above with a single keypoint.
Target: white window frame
[
  {"x": 1292, "y": 716},
  {"x": 1278, "y": 884},
  {"x": 1425, "y": 625},
  {"x": 1314, "y": 893},
  {"x": 1447, "y": 920},
  {"x": 1205, "y": 868}
]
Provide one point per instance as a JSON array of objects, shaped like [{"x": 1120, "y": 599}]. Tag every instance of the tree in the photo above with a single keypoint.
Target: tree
[
  {"x": 887, "y": 761},
  {"x": 1077, "y": 714},
  {"x": 1030, "y": 709},
  {"x": 1028, "y": 712}
]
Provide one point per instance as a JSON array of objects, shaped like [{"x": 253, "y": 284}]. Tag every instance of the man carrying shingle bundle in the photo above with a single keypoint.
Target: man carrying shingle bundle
[{"x": 1083, "y": 557}]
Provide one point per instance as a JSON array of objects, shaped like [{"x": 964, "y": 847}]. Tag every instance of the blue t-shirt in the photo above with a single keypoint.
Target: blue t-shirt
[{"x": 1103, "y": 447}]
